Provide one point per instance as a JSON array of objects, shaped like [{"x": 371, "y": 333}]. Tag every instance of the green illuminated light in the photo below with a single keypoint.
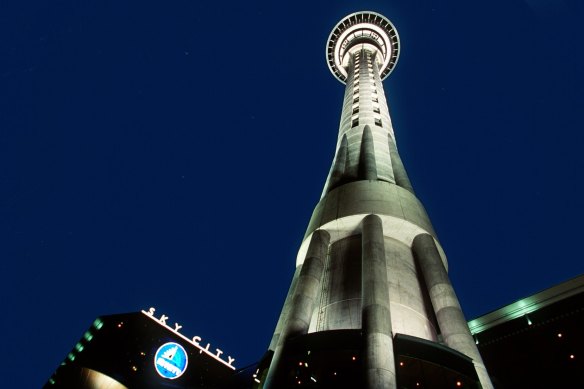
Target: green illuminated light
[
  {"x": 98, "y": 323},
  {"x": 71, "y": 357},
  {"x": 79, "y": 347},
  {"x": 87, "y": 336}
]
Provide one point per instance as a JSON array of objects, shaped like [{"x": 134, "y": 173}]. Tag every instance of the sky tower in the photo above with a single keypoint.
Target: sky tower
[{"x": 370, "y": 304}]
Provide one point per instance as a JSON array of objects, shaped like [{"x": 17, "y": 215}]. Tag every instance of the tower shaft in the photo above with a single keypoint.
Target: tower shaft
[
  {"x": 364, "y": 104},
  {"x": 370, "y": 299}
]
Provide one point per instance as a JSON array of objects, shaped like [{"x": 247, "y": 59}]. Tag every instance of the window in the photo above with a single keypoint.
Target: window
[
  {"x": 376, "y": 109},
  {"x": 378, "y": 122},
  {"x": 356, "y": 90},
  {"x": 355, "y": 110},
  {"x": 375, "y": 100},
  {"x": 356, "y": 100},
  {"x": 355, "y": 123}
]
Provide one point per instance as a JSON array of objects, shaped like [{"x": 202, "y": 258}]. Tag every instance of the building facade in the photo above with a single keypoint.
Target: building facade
[
  {"x": 371, "y": 277},
  {"x": 144, "y": 350}
]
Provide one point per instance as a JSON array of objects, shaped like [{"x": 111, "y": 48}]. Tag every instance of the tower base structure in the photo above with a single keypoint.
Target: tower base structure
[{"x": 336, "y": 359}]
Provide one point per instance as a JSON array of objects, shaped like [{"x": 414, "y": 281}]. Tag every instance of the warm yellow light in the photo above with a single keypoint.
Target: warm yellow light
[
  {"x": 401, "y": 363},
  {"x": 458, "y": 383},
  {"x": 559, "y": 335},
  {"x": 354, "y": 358},
  {"x": 572, "y": 356}
]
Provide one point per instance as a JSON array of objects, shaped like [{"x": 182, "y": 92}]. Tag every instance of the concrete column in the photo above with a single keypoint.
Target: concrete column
[
  {"x": 285, "y": 309},
  {"x": 399, "y": 171},
  {"x": 451, "y": 321},
  {"x": 378, "y": 358},
  {"x": 303, "y": 302},
  {"x": 367, "y": 165},
  {"x": 340, "y": 164}
]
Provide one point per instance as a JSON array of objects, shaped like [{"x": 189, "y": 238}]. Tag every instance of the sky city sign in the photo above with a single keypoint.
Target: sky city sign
[{"x": 195, "y": 340}]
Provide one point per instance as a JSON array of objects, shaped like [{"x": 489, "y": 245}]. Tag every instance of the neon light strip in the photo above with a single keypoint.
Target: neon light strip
[{"x": 189, "y": 340}]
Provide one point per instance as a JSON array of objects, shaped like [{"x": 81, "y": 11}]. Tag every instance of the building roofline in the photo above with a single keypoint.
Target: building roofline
[{"x": 528, "y": 305}]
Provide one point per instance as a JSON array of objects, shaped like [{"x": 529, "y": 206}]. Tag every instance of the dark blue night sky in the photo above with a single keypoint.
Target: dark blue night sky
[{"x": 170, "y": 153}]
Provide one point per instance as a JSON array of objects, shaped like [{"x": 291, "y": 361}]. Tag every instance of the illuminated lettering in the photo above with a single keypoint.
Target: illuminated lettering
[{"x": 195, "y": 341}]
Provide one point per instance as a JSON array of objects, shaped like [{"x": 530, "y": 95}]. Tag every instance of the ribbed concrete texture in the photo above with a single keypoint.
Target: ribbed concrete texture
[{"x": 370, "y": 260}]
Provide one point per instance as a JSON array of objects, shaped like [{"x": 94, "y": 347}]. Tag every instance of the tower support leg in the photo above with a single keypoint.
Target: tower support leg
[
  {"x": 378, "y": 358},
  {"x": 399, "y": 171},
  {"x": 303, "y": 303},
  {"x": 451, "y": 321},
  {"x": 285, "y": 309}
]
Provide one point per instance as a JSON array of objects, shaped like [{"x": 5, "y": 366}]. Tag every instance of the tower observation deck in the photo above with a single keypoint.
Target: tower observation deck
[{"x": 370, "y": 304}]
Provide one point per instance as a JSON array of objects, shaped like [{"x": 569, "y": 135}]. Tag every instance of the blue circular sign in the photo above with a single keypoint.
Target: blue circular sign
[{"x": 171, "y": 360}]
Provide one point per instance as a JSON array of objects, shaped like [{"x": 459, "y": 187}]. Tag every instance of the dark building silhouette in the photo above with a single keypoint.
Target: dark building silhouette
[{"x": 536, "y": 342}]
